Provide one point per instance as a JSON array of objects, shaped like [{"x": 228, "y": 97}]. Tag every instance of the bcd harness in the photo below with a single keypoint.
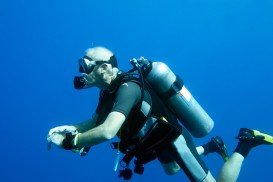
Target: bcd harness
[{"x": 147, "y": 147}]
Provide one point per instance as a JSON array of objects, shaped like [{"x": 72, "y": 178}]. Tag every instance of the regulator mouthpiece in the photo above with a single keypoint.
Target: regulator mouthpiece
[{"x": 80, "y": 82}]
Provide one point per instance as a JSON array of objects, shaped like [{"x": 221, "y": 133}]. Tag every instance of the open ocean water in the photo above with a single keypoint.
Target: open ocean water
[{"x": 223, "y": 49}]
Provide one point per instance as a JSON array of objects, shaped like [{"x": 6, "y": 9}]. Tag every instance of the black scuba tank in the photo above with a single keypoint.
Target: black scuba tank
[{"x": 174, "y": 94}]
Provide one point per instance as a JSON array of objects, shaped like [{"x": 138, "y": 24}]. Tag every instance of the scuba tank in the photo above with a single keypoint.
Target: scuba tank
[{"x": 173, "y": 93}]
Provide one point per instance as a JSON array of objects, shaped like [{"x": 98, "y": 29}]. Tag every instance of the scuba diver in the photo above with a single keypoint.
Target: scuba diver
[{"x": 141, "y": 108}]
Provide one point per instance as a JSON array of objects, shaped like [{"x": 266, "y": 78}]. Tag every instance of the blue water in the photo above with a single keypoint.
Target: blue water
[{"x": 222, "y": 49}]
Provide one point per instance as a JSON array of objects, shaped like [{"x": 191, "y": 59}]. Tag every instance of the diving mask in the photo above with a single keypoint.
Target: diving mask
[{"x": 87, "y": 65}]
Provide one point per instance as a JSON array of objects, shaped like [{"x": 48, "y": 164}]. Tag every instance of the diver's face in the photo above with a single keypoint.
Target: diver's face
[
  {"x": 93, "y": 70},
  {"x": 101, "y": 75}
]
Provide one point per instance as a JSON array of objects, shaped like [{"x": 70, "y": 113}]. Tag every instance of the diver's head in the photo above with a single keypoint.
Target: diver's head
[{"x": 98, "y": 68}]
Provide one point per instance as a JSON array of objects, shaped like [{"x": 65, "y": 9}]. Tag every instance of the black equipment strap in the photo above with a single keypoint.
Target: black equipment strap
[{"x": 174, "y": 89}]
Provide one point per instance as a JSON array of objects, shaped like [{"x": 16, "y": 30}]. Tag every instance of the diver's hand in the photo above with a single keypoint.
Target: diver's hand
[
  {"x": 63, "y": 136},
  {"x": 55, "y": 139},
  {"x": 58, "y": 134},
  {"x": 62, "y": 129}
]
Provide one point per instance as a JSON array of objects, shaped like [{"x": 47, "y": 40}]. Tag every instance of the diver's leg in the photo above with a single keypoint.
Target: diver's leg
[
  {"x": 247, "y": 140},
  {"x": 231, "y": 169},
  {"x": 200, "y": 150},
  {"x": 167, "y": 162},
  {"x": 170, "y": 168}
]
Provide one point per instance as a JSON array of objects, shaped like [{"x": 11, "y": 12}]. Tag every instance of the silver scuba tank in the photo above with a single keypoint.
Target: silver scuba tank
[{"x": 177, "y": 98}]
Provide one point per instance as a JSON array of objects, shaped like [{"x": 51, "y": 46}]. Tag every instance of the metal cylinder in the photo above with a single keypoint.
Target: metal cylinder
[{"x": 178, "y": 99}]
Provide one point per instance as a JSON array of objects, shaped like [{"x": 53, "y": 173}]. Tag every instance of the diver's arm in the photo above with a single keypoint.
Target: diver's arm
[
  {"x": 103, "y": 132},
  {"x": 88, "y": 124},
  {"x": 82, "y": 127},
  {"x": 127, "y": 96}
]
